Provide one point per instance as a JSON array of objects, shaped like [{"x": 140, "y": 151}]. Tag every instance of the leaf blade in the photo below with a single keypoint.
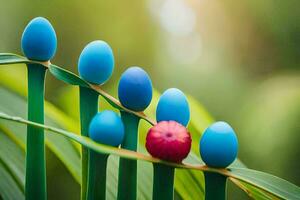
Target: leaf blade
[
  {"x": 258, "y": 179},
  {"x": 272, "y": 184},
  {"x": 9, "y": 58},
  {"x": 8, "y": 188},
  {"x": 67, "y": 76}
]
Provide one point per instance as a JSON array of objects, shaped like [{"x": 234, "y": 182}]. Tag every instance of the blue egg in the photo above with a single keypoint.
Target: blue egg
[
  {"x": 96, "y": 62},
  {"x": 39, "y": 40},
  {"x": 135, "y": 89},
  {"x": 219, "y": 145},
  {"x": 107, "y": 128},
  {"x": 173, "y": 106}
]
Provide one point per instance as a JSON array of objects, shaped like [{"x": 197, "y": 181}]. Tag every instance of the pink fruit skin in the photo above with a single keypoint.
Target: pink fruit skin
[{"x": 169, "y": 140}]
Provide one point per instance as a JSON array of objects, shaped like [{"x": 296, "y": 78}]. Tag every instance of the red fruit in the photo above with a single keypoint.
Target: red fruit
[{"x": 169, "y": 140}]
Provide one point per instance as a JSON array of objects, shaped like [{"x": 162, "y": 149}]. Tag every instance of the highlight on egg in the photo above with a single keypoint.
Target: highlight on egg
[
  {"x": 219, "y": 145},
  {"x": 135, "y": 89},
  {"x": 96, "y": 62},
  {"x": 39, "y": 40},
  {"x": 173, "y": 105}
]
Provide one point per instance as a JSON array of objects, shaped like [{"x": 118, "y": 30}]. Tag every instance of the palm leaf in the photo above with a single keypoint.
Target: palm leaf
[
  {"x": 260, "y": 180},
  {"x": 200, "y": 119}
]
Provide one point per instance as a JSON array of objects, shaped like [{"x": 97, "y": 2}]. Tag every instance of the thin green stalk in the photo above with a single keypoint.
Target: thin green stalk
[
  {"x": 163, "y": 182},
  {"x": 215, "y": 186},
  {"x": 128, "y": 168},
  {"x": 35, "y": 185},
  {"x": 88, "y": 109},
  {"x": 97, "y": 176}
]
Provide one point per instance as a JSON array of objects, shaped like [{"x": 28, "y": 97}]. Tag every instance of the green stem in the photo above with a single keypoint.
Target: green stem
[
  {"x": 88, "y": 109},
  {"x": 97, "y": 176},
  {"x": 163, "y": 182},
  {"x": 35, "y": 185},
  {"x": 215, "y": 186},
  {"x": 127, "y": 186}
]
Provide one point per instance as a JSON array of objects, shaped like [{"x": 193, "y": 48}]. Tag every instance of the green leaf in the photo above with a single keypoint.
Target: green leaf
[
  {"x": 200, "y": 120},
  {"x": 63, "y": 121},
  {"x": 9, "y": 58},
  {"x": 15, "y": 161},
  {"x": 63, "y": 148},
  {"x": 269, "y": 183},
  {"x": 252, "y": 191},
  {"x": 100, "y": 148},
  {"x": 67, "y": 76},
  {"x": 11, "y": 167},
  {"x": 71, "y": 78},
  {"x": 144, "y": 169},
  {"x": 14, "y": 104},
  {"x": 189, "y": 184},
  {"x": 8, "y": 188}
]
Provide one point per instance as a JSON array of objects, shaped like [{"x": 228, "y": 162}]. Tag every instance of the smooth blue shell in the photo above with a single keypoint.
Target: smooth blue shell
[
  {"x": 173, "y": 105},
  {"x": 107, "y": 128},
  {"x": 96, "y": 62},
  {"x": 39, "y": 40},
  {"x": 135, "y": 89},
  {"x": 219, "y": 145}
]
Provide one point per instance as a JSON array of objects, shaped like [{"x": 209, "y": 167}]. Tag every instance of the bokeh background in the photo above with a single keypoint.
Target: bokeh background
[{"x": 240, "y": 59}]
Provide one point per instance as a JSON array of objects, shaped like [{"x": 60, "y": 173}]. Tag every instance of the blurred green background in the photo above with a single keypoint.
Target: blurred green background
[{"x": 240, "y": 59}]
